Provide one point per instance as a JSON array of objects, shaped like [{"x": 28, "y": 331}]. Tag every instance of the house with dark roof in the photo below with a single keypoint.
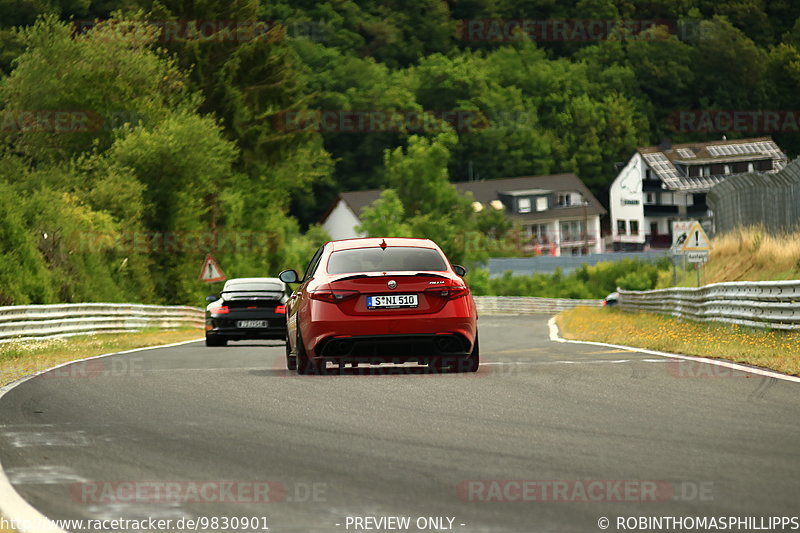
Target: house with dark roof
[
  {"x": 557, "y": 214},
  {"x": 666, "y": 183}
]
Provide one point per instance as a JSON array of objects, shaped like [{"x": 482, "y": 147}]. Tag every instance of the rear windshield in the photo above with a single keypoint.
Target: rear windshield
[
  {"x": 391, "y": 259},
  {"x": 265, "y": 289}
]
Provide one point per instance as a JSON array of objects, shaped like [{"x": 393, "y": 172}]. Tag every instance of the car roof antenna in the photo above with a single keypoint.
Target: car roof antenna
[{"x": 383, "y": 244}]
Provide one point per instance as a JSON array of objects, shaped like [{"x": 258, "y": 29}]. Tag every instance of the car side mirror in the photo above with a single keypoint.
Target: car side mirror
[
  {"x": 289, "y": 276},
  {"x": 461, "y": 271},
  {"x": 212, "y": 298}
]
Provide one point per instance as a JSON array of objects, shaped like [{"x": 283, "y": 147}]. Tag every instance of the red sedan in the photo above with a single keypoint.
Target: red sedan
[{"x": 379, "y": 301}]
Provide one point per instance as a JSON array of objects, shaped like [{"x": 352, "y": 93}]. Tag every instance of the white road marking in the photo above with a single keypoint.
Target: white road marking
[
  {"x": 569, "y": 362},
  {"x": 26, "y": 439},
  {"x": 12, "y": 505},
  {"x": 43, "y": 475},
  {"x": 137, "y": 511},
  {"x": 554, "y": 336}
]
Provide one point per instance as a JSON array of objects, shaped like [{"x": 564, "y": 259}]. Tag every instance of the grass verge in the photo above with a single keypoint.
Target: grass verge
[
  {"x": 21, "y": 359},
  {"x": 773, "y": 349},
  {"x": 746, "y": 254}
]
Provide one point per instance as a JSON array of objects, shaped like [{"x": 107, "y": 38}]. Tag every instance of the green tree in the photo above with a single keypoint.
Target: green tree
[
  {"x": 69, "y": 95},
  {"x": 385, "y": 217}
]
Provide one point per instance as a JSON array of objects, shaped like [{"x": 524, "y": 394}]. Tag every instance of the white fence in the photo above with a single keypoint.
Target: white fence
[
  {"x": 524, "y": 305},
  {"x": 63, "y": 320},
  {"x": 767, "y": 304}
]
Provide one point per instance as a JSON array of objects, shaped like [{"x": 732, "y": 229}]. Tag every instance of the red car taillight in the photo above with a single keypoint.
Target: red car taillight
[
  {"x": 449, "y": 293},
  {"x": 223, "y": 310},
  {"x": 280, "y": 309},
  {"x": 333, "y": 296}
]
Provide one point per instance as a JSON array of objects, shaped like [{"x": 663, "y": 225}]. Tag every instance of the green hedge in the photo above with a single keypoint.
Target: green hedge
[{"x": 585, "y": 282}]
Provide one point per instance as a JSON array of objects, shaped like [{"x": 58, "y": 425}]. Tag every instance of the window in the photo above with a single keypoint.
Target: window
[
  {"x": 750, "y": 167},
  {"x": 564, "y": 200},
  {"x": 393, "y": 258},
  {"x": 572, "y": 231},
  {"x": 524, "y": 205},
  {"x": 634, "y": 227},
  {"x": 621, "y": 228},
  {"x": 727, "y": 169},
  {"x": 705, "y": 170},
  {"x": 312, "y": 265},
  {"x": 250, "y": 290},
  {"x": 650, "y": 198},
  {"x": 541, "y": 203},
  {"x": 537, "y": 231}
]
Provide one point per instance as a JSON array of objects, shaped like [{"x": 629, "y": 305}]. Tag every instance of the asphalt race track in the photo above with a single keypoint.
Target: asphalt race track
[{"x": 589, "y": 432}]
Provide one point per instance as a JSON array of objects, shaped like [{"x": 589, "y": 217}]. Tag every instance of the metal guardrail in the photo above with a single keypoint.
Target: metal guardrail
[
  {"x": 63, "y": 320},
  {"x": 765, "y": 304},
  {"x": 525, "y": 305}
]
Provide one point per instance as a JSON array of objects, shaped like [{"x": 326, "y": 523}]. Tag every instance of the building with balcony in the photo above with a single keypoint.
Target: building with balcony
[
  {"x": 662, "y": 184},
  {"x": 557, "y": 214}
]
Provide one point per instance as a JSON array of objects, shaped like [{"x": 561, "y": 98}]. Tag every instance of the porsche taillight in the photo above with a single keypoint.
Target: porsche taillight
[
  {"x": 222, "y": 310},
  {"x": 333, "y": 295},
  {"x": 280, "y": 309}
]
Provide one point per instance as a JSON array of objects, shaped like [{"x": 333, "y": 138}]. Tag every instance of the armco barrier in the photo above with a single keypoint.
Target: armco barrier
[
  {"x": 524, "y": 305},
  {"x": 767, "y": 304},
  {"x": 62, "y": 320}
]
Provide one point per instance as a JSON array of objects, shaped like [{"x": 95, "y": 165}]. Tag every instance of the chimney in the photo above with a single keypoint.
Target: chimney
[{"x": 666, "y": 144}]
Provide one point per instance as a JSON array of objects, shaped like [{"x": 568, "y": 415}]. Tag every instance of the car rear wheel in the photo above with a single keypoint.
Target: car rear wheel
[
  {"x": 304, "y": 364},
  {"x": 212, "y": 341},
  {"x": 291, "y": 360},
  {"x": 473, "y": 362}
]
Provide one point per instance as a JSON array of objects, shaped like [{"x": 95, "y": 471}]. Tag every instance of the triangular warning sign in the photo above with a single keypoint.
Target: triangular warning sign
[
  {"x": 696, "y": 239},
  {"x": 211, "y": 271}
]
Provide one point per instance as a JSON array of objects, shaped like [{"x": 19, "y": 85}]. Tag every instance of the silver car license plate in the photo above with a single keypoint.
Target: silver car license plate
[{"x": 252, "y": 324}]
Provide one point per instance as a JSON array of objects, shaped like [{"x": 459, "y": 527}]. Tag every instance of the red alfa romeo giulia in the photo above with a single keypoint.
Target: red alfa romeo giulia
[{"x": 374, "y": 301}]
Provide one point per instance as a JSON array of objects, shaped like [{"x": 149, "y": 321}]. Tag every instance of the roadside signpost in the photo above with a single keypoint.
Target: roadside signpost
[
  {"x": 697, "y": 257},
  {"x": 696, "y": 240},
  {"x": 689, "y": 239},
  {"x": 211, "y": 271},
  {"x": 680, "y": 233}
]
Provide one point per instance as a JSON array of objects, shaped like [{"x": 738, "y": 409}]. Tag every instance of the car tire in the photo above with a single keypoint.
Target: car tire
[
  {"x": 212, "y": 341},
  {"x": 304, "y": 365},
  {"x": 473, "y": 362},
  {"x": 291, "y": 360}
]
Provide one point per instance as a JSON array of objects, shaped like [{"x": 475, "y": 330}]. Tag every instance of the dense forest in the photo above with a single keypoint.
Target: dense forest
[{"x": 139, "y": 135}]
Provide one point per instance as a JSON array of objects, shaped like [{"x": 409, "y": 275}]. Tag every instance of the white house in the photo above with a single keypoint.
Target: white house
[
  {"x": 664, "y": 183},
  {"x": 557, "y": 214}
]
